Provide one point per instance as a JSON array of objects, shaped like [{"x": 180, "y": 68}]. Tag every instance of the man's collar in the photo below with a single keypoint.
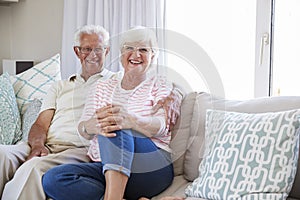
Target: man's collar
[{"x": 104, "y": 73}]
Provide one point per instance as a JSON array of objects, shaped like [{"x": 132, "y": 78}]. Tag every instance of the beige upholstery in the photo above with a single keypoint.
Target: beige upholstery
[
  {"x": 188, "y": 145},
  {"x": 181, "y": 132}
]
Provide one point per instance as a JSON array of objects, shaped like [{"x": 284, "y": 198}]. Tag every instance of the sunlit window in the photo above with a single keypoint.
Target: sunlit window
[
  {"x": 226, "y": 31},
  {"x": 286, "y": 48}
]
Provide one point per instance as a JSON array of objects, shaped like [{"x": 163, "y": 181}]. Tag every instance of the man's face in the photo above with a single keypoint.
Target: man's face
[{"x": 92, "y": 53}]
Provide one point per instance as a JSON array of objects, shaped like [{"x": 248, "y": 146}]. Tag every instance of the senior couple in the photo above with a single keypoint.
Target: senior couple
[{"x": 112, "y": 142}]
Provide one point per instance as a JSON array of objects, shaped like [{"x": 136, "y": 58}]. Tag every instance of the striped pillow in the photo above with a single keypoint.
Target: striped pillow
[{"x": 34, "y": 82}]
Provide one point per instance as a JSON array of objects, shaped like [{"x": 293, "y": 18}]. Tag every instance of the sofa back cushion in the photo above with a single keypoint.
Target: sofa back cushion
[
  {"x": 181, "y": 132},
  {"x": 204, "y": 101}
]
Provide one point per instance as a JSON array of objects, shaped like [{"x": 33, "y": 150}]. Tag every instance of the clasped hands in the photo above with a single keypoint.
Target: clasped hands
[
  {"x": 108, "y": 119},
  {"x": 111, "y": 118}
]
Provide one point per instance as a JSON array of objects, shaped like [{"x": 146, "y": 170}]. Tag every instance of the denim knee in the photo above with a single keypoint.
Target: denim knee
[
  {"x": 49, "y": 182},
  {"x": 117, "y": 152}
]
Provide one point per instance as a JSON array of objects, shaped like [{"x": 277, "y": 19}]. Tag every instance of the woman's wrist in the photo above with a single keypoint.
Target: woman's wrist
[{"x": 84, "y": 131}]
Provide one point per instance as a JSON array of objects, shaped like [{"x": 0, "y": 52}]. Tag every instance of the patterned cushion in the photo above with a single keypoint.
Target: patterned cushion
[
  {"x": 34, "y": 82},
  {"x": 10, "y": 123},
  {"x": 30, "y": 116},
  {"x": 248, "y": 156}
]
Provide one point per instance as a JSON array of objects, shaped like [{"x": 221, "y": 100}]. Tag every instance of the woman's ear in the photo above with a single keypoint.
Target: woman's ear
[{"x": 154, "y": 57}]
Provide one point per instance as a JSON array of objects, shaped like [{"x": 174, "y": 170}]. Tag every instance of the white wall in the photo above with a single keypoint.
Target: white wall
[{"x": 30, "y": 29}]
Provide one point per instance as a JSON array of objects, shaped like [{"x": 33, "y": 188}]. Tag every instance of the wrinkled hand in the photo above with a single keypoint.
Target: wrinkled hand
[
  {"x": 38, "y": 151},
  {"x": 108, "y": 119},
  {"x": 102, "y": 122},
  {"x": 116, "y": 117},
  {"x": 171, "y": 105}
]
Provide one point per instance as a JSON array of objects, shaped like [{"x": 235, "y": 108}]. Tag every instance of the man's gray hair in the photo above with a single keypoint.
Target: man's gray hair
[{"x": 91, "y": 29}]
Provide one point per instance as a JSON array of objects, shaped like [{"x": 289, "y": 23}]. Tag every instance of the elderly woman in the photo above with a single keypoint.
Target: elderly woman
[{"x": 129, "y": 143}]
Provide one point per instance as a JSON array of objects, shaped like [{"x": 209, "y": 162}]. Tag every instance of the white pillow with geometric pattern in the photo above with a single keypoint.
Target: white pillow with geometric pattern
[
  {"x": 35, "y": 82},
  {"x": 248, "y": 156}
]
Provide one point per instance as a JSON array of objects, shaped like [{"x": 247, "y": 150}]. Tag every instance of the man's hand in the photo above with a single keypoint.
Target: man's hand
[
  {"x": 38, "y": 151},
  {"x": 171, "y": 105},
  {"x": 38, "y": 134}
]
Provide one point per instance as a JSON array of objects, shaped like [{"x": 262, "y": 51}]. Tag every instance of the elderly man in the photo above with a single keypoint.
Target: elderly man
[{"x": 53, "y": 139}]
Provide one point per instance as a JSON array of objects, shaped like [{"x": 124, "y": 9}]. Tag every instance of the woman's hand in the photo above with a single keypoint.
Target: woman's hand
[
  {"x": 108, "y": 119},
  {"x": 114, "y": 117}
]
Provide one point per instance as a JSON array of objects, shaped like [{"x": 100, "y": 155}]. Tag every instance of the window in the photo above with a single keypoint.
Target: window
[
  {"x": 226, "y": 31},
  {"x": 253, "y": 58},
  {"x": 286, "y": 48}
]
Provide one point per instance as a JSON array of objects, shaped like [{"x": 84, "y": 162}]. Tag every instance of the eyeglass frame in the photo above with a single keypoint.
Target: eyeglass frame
[
  {"x": 137, "y": 48},
  {"x": 89, "y": 50}
]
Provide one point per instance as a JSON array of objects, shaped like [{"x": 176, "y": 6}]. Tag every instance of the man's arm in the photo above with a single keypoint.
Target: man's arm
[
  {"x": 38, "y": 134},
  {"x": 171, "y": 105}
]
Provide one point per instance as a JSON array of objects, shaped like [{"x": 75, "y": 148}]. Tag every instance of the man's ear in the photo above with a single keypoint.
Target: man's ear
[
  {"x": 76, "y": 50},
  {"x": 107, "y": 50}
]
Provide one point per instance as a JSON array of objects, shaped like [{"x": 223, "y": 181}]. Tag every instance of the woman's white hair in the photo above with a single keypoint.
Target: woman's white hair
[
  {"x": 140, "y": 34},
  {"x": 91, "y": 29}
]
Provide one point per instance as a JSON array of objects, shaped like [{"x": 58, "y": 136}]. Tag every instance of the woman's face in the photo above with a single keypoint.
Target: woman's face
[{"x": 136, "y": 57}]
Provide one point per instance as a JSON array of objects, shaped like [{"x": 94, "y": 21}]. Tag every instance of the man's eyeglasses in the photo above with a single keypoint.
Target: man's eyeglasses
[
  {"x": 88, "y": 50},
  {"x": 142, "y": 50}
]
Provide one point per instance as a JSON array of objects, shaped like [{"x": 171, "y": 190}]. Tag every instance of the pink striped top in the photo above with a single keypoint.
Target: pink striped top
[{"x": 139, "y": 101}]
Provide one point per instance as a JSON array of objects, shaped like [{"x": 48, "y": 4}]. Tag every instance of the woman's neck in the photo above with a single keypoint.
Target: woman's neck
[{"x": 131, "y": 81}]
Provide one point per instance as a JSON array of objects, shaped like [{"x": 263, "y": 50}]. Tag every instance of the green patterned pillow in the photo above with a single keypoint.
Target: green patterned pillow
[
  {"x": 10, "y": 123},
  {"x": 248, "y": 156},
  {"x": 29, "y": 117}
]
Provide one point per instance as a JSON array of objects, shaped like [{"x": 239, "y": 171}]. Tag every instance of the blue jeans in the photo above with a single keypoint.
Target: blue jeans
[{"x": 149, "y": 169}]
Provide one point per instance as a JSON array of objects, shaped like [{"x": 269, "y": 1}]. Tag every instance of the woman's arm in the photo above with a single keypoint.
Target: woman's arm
[
  {"x": 150, "y": 125},
  {"x": 87, "y": 123}
]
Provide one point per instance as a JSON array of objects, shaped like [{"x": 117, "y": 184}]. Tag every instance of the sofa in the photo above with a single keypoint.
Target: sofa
[
  {"x": 188, "y": 143},
  {"x": 193, "y": 137}
]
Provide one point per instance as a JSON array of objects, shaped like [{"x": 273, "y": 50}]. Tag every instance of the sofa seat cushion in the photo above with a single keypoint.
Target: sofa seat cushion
[
  {"x": 204, "y": 101},
  {"x": 176, "y": 189}
]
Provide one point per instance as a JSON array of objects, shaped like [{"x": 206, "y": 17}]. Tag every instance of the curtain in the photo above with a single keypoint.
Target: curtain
[{"x": 116, "y": 16}]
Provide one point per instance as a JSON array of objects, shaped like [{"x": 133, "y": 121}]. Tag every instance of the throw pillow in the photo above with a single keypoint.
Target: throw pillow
[
  {"x": 248, "y": 156},
  {"x": 10, "y": 123},
  {"x": 29, "y": 117},
  {"x": 34, "y": 82}
]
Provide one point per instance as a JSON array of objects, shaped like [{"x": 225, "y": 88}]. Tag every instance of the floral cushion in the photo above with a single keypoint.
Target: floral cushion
[
  {"x": 10, "y": 122},
  {"x": 29, "y": 117}
]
